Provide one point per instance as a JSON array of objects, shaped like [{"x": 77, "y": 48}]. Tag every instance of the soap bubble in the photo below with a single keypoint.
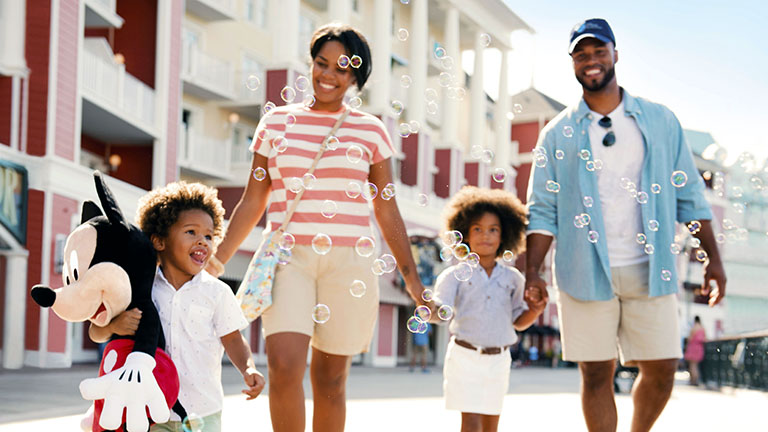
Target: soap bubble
[
  {"x": 553, "y": 186},
  {"x": 329, "y": 209},
  {"x": 357, "y": 289},
  {"x": 461, "y": 251},
  {"x": 253, "y": 82},
  {"x": 423, "y": 313},
  {"x": 445, "y": 312},
  {"x": 259, "y": 174},
  {"x": 355, "y": 102},
  {"x": 321, "y": 244},
  {"x": 354, "y": 154},
  {"x": 288, "y": 94},
  {"x": 287, "y": 241},
  {"x": 353, "y": 189},
  {"x": 427, "y": 295},
  {"x": 451, "y": 238},
  {"x": 301, "y": 83},
  {"x": 321, "y": 313},
  {"x": 678, "y": 179},
  {"x": 365, "y": 246},
  {"x": 666, "y": 275}
]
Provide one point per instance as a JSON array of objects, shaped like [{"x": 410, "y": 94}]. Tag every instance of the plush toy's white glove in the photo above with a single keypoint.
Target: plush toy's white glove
[{"x": 132, "y": 387}]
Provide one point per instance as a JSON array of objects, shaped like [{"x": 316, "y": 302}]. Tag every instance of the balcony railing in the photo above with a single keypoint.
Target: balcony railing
[
  {"x": 205, "y": 155},
  {"x": 212, "y": 75},
  {"x": 109, "y": 84},
  {"x": 737, "y": 362}
]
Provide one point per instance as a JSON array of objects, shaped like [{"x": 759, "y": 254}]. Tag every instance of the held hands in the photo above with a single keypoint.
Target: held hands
[
  {"x": 255, "y": 382},
  {"x": 714, "y": 272},
  {"x": 415, "y": 288},
  {"x": 126, "y": 323},
  {"x": 133, "y": 387},
  {"x": 535, "y": 295}
]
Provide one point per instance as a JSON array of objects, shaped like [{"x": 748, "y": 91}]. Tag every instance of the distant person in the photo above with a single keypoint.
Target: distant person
[
  {"x": 533, "y": 353},
  {"x": 488, "y": 304},
  {"x": 420, "y": 349},
  {"x": 694, "y": 350},
  {"x": 613, "y": 175}
]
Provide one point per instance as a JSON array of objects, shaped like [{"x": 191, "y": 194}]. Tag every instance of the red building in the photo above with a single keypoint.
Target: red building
[{"x": 84, "y": 85}]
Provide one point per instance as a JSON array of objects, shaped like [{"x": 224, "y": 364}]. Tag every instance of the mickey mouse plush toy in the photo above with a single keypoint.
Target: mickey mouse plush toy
[{"x": 109, "y": 266}]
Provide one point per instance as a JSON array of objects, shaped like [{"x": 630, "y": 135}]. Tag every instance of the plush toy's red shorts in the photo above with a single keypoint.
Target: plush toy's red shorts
[{"x": 165, "y": 374}]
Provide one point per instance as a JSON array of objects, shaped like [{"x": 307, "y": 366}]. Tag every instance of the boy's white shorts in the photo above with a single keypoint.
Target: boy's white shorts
[{"x": 474, "y": 382}]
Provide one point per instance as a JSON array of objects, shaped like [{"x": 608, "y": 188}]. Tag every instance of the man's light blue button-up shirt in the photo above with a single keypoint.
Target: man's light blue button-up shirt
[{"x": 581, "y": 267}]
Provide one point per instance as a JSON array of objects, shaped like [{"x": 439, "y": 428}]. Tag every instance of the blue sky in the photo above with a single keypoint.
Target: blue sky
[{"x": 706, "y": 60}]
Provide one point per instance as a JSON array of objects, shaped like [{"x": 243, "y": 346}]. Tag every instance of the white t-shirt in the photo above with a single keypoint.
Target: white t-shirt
[
  {"x": 621, "y": 211},
  {"x": 194, "y": 318}
]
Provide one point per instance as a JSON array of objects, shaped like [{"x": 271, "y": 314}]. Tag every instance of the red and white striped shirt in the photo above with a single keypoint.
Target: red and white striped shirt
[{"x": 334, "y": 171}]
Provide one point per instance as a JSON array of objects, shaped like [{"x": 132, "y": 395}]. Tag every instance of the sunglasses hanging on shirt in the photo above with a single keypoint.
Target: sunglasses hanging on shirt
[{"x": 610, "y": 138}]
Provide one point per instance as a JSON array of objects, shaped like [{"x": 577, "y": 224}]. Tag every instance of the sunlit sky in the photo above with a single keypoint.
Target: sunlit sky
[{"x": 706, "y": 60}]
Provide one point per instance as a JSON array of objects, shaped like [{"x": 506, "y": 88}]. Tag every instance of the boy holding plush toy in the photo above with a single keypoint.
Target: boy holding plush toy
[{"x": 200, "y": 316}]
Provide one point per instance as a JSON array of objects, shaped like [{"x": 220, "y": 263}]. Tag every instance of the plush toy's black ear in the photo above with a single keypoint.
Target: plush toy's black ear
[
  {"x": 90, "y": 211},
  {"x": 109, "y": 204}
]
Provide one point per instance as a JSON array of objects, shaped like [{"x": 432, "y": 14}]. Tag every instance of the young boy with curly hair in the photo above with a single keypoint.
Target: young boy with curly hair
[
  {"x": 200, "y": 316},
  {"x": 488, "y": 303}
]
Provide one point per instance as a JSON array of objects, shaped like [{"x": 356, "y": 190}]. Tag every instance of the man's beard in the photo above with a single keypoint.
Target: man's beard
[{"x": 609, "y": 75}]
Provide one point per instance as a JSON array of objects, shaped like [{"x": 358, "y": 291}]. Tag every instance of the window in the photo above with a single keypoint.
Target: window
[
  {"x": 241, "y": 140},
  {"x": 189, "y": 46},
  {"x": 256, "y": 12},
  {"x": 250, "y": 66},
  {"x": 306, "y": 29}
]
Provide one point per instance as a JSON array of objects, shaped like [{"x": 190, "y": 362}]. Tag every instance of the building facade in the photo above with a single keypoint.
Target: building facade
[
  {"x": 151, "y": 91},
  {"x": 84, "y": 85}
]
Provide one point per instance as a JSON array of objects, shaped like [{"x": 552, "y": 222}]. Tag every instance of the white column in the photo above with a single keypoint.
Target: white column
[
  {"x": 339, "y": 11},
  {"x": 162, "y": 79},
  {"x": 419, "y": 51},
  {"x": 501, "y": 122},
  {"x": 477, "y": 103},
  {"x": 12, "y": 27},
  {"x": 15, "y": 305},
  {"x": 450, "y": 107},
  {"x": 284, "y": 20},
  {"x": 381, "y": 47}
]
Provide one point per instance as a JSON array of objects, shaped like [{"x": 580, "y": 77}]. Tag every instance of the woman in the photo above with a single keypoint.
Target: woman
[
  {"x": 286, "y": 141},
  {"x": 694, "y": 351}
]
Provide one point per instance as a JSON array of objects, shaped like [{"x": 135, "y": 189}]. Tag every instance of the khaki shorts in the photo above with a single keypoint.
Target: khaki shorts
[
  {"x": 310, "y": 279},
  {"x": 644, "y": 328},
  {"x": 211, "y": 423}
]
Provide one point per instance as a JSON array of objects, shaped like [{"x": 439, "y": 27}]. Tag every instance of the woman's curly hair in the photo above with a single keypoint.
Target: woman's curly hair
[
  {"x": 161, "y": 207},
  {"x": 470, "y": 203}
]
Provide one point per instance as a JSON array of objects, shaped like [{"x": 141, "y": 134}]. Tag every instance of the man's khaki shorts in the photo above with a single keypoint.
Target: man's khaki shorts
[
  {"x": 644, "y": 328},
  {"x": 310, "y": 279}
]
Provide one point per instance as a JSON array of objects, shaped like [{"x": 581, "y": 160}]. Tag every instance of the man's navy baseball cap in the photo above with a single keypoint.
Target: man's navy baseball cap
[{"x": 597, "y": 28}]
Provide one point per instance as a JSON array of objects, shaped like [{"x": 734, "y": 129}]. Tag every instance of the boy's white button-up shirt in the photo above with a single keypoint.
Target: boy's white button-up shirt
[{"x": 194, "y": 319}]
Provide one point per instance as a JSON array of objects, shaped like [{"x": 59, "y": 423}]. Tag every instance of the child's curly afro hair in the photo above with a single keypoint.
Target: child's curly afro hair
[
  {"x": 161, "y": 207},
  {"x": 470, "y": 203}
]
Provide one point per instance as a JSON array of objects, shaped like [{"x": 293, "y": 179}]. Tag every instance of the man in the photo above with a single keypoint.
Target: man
[{"x": 612, "y": 176}]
